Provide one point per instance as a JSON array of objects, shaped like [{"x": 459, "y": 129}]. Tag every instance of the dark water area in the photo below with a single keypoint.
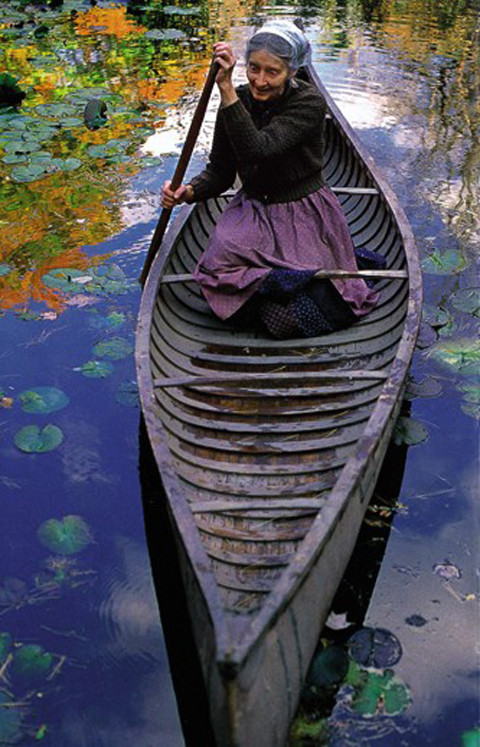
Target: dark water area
[{"x": 83, "y": 661}]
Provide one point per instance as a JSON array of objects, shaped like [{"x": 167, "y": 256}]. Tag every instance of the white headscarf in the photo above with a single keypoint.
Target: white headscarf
[{"x": 270, "y": 37}]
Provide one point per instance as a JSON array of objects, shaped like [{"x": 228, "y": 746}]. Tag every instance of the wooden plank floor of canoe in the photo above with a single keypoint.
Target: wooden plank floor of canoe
[{"x": 257, "y": 459}]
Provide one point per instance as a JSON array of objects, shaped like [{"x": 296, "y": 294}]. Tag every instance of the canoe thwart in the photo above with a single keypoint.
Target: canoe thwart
[{"x": 375, "y": 274}]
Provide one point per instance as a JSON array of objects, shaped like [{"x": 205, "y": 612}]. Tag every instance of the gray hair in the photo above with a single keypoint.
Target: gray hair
[{"x": 283, "y": 39}]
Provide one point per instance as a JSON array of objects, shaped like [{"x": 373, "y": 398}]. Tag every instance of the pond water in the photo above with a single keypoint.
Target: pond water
[{"x": 82, "y": 654}]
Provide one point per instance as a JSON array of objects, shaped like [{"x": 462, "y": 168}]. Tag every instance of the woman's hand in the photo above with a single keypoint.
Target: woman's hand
[
  {"x": 172, "y": 198},
  {"x": 226, "y": 59}
]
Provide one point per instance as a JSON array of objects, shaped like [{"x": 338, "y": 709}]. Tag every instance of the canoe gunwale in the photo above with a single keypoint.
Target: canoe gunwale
[{"x": 232, "y": 653}]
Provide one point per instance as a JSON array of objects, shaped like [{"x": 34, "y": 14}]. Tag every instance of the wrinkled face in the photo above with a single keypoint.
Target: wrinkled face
[{"x": 267, "y": 75}]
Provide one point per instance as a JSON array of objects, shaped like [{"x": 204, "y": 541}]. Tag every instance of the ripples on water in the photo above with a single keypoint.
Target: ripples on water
[{"x": 408, "y": 81}]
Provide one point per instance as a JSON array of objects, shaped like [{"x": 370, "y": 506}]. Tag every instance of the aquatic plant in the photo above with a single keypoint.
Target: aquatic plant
[
  {"x": 410, "y": 432},
  {"x": 65, "y": 536},
  {"x": 115, "y": 348},
  {"x": 96, "y": 369},
  {"x": 33, "y": 439},
  {"x": 43, "y": 399},
  {"x": 377, "y": 692},
  {"x": 31, "y": 662}
]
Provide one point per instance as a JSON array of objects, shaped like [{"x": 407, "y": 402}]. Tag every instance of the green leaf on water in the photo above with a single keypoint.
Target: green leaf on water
[
  {"x": 115, "y": 348},
  {"x": 29, "y": 173},
  {"x": 328, "y": 667},
  {"x": 467, "y": 300},
  {"x": 471, "y": 409},
  {"x": 66, "y": 279},
  {"x": 31, "y": 661},
  {"x": 65, "y": 536},
  {"x": 471, "y": 738},
  {"x": 5, "y": 643},
  {"x": 96, "y": 369},
  {"x": 4, "y": 269},
  {"x": 448, "y": 262},
  {"x": 428, "y": 387},
  {"x": 377, "y": 692},
  {"x": 11, "y": 718},
  {"x": 34, "y": 440},
  {"x": 43, "y": 399},
  {"x": 112, "y": 321},
  {"x": 409, "y": 432},
  {"x": 471, "y": 392},
  {"x": 463, "y": 355}
]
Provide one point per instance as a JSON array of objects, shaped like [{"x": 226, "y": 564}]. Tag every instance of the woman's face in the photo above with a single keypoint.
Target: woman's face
[{"x": 267, "y": 75}]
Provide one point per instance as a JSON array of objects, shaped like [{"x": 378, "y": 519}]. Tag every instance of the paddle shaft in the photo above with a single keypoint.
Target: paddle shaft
[{"x": 182, "y": 165}]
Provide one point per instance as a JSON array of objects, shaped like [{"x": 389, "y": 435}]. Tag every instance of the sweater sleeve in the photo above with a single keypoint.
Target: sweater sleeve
[
  {"x": 220, "y": 172},
  {"x": 301, "y": 116}
]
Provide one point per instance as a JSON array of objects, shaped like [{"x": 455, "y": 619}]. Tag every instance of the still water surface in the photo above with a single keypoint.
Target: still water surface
[{"x": 82, "y": 656}]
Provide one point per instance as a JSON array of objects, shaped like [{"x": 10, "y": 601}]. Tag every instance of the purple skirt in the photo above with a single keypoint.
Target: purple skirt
[{"x": 251, "y": 239}]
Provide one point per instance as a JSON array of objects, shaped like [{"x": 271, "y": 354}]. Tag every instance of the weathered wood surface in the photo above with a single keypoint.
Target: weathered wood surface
[{"x": 269, "y": 450}]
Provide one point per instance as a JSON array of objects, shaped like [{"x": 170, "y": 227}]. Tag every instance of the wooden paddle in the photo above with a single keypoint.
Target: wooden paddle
[{"x": 183, "y": 162}]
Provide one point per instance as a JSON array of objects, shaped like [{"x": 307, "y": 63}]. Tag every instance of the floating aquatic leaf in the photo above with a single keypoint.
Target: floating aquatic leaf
[
  {"x": 471, "y": 393},
  {"x": 43, "y": 399},
  {"x": 64, "y": 279},
  {"x": 29, "y": 173},
  {"x": 471, "y": 738},
  {"x": 374, "y": 647},
  {"x": 56, "y": 110},
  {"x": 127, "y": 394},
  {"x": 462, "y": 355},
  {"x": 4, "y": 269},
  {"x": 328, "y": 667},
  {"x": 115, "y": 348},
  {"x": 471, "y": 409},
  {"x": 32, "y": 439},
  {"x": 15, "y": 158},
  {"x": 40, "y": 156},
  {"x": 175, "y": 10},
  {"x": 467, "y": 300},
  {"x": 66, "y": 536},
  {"x": 5, "y": 643},
  {"x": 112, "y": 321},
  {"x": 12, "y": 590},
  {"x": 167, "y": 34},
  {"x": 31, "y": 661},
  {"x": 428, "y": 387},
  {"x": 377, "y": 692},
  {"x": 426, "y": 337},
  {"x": 96, "y": 369},
  {"x": 11, "y": 718},
  {"x": 444, "y": 263},
  {"x": 71, "y": 122},
  {"x": 410, "y": 432},
  {"x": 107, "y": 280}
]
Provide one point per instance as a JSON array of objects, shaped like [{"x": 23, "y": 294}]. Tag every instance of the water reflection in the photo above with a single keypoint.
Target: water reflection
[{"x": 407, "y": 76}]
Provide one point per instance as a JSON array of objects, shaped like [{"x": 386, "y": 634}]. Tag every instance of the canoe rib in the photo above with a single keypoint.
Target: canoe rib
[{"x": 269, "y": 450}]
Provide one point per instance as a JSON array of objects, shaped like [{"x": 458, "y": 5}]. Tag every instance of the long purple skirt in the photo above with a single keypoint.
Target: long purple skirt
[{"x": 251, "y": 239}]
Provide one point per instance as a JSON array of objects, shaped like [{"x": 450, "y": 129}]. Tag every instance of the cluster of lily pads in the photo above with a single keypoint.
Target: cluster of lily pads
[
  {"x": 25, "y": 667},
  {"x": 358, "y": 674}
]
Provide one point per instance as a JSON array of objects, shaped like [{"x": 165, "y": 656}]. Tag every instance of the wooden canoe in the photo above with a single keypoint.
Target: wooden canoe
[{"x": 269, "y": 451}]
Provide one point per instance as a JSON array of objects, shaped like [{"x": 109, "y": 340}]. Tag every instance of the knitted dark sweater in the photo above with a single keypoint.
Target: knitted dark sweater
[{"x": 275, "y": 147}]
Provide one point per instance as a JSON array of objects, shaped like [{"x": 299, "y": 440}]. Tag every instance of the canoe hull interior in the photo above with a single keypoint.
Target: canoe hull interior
[{"x": 269, "y": 450}]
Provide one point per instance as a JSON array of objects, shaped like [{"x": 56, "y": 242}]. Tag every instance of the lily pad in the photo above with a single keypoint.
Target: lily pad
[
  {"x": 467, "y": 300},
  {"x": 12, "y": 590},
  {"x": 29, "y": 173},
  {"x": 108, "y": 280},
  {"x": 328, "y": 667},
  {"x": 43, "y": 399},
  {"x": 165, "y": 34},
  {"x": 462, "y": 355},
  {"x": 96, "y": 369},
  {"x": 409, "y": 432},
  {"x": 5, "y": 643},
  {"x": 471, "y": 738},
  {"x": 374, "y": 647},
  {"x": 31, "y": 662},
  {"x": 377, "y": 692},
  {"x": 66, "y": 536},
  {"x": 428, "y": 387},
  {"x": 127, "y": 394},
  {"x": 32, "y": 439},
  {"x": 64, "y": 279},
  {"x": 448, "y": 262},
  {"x": 11, "y": 719},
  {"x": 112, "y": 321},
  {"x": 4, "y": 269},
  {"x": 115, "y": 348}
]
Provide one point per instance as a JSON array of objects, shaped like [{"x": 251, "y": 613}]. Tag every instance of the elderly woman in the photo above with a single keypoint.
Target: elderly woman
[{"x": 284, "y": 224}]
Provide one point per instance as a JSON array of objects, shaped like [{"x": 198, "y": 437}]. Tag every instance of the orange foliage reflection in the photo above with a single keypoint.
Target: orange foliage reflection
[{"x": 111, "y": 21}]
